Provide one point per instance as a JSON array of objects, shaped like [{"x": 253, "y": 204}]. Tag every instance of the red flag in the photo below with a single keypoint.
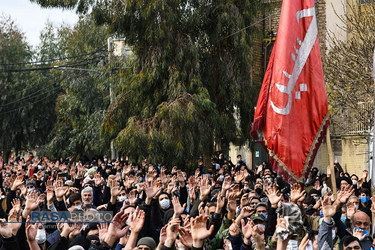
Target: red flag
[{"x": 291, "y": 115}]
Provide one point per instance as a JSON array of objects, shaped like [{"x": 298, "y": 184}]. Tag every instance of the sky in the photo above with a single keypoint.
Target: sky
[{"x": 31, "y": 18}]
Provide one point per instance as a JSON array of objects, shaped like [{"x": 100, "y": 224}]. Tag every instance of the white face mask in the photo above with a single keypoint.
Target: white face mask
[
  {"x": 165, "y": 204},
  {"x": 122, "y": 198},
  {"x": 333, "y": 234},
  {"x": 356, "y": 206},
  {"x": 292, "y": 245},
  {"x": 41, "y": 236},
  {"x": 354, "y": 182},
  {"x": 229, "y": 246}
]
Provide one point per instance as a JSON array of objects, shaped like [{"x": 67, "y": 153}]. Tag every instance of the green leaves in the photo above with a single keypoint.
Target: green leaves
[{"x": 188, "y": 81}]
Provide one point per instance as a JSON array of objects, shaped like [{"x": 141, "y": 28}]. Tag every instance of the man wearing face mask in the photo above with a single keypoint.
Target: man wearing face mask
[
  {"x": 365, "y": 202},
  {"x": 361, "y": 224},
  {"x": 41, "y": 237},
  {"x": 164, "y": 202}
]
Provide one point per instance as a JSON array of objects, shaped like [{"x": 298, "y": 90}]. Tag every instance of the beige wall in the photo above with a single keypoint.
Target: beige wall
[
  {"x": 244, "y": 151},
  {"x": 355, "y": 154}
]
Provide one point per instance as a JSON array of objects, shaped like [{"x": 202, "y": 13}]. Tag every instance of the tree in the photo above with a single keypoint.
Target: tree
[
  {"x": 190, "y": 77},
  {"x": 84, "y": 98},
  {"x": 348, "y": 68},
  {"x": 18, "y": 99},
  {"x": 189, "y": 80}
]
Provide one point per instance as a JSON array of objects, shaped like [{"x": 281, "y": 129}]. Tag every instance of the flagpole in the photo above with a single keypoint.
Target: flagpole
[
  {"x": 330, "y": 155},
  {"x": 373, "y": 148}
]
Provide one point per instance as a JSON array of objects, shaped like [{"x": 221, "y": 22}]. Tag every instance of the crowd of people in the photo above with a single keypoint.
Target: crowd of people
[{"x": 224, "y": 205}]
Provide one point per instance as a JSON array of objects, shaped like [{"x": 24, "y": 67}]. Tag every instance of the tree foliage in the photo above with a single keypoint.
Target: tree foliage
[
  {"x": 189, "y": 79},
  {"x": 81, "y": 105},
  {"x": 26, "y": 104},
  {"x": 348, "y": 69}
]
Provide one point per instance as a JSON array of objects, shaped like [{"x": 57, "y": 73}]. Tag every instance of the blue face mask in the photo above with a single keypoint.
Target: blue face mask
[
  {"x": 365, "y": 199},
  {"x": 343, "y": 218},
  {"x": 365, "y": 231},
  {"x": 265, "y": 215}
]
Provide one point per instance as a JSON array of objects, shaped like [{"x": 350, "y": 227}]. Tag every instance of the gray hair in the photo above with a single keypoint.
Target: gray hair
[{"x": 86, "y": 190}]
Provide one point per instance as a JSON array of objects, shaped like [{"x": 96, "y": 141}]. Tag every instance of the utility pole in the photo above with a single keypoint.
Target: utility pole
[{"x": 114, "y": 152}]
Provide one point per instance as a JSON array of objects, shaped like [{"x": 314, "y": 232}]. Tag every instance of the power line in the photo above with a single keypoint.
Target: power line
[
  {"x": 53, "y": 91},
  {"x": 80, "y": 63},
  {"x": 39, "y": 100},
  {"x": 31, "y": 96},
  {"x": 245, "y": 28},
  {"x": 57, "y": 59},
  {"x": 35, "y": 94}
]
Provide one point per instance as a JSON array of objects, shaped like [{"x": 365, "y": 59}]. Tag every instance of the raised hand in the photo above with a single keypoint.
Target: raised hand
[
  {"x": 226, "y": 184},
  {"x": 185, "y": 237},
  {"x": 132, "y": 197},
  {"x": 98, "y": 180},
  {"x": 76, "y": 230},
  {"x": 239, "y": 176},
  {"x": 317, "y": 204},
  {"x": 136, "y": 221},
  {"x": 31, "y": 230},
  {"x": 14, "y": 217},
  {"x": 373, "y": 204},
  {"x": 59, "y": 189},
  {"x": 328, "y": 209},
  {"x": 296, "y": 192},
  {"x": 16, "y": 204},
  {"x": 187, "y": 223},
  {"x": 103, "y": 229},
  {"x": 350, "y": 210},
  {"x": 365, "y": 174},
  {"x": 163, "y": 235},
  {"x": 344, "y": 194},
  {"x": 151, "y": 191},
  {"x": 220, "y": 203},
  {"x": 247, "y": 230},
  {"x": 5, "y": 230},
  {"x": 180, "y": 178},
  {"x": 115, "y": 189},
  {"x": 31, "y": 201},
  {"x": 115, "y": 229},
  {"x": 304, "y": 242},
  {"x": 50, "y": 193},
  {"x": 245, "y": 212},
  {"x": 199, "y": 231},
  {"x": 273, "y": 195},
  {"x": 204, "y": 188},
  {"x": 17, "y": 182},
  {"x": 328, "y": 171},
  {"x": 172, "y": 232},
  {"x": 234, "y": 229},
  {"x": 178, "y": 209},
  {"x": 232, "y": 203}
]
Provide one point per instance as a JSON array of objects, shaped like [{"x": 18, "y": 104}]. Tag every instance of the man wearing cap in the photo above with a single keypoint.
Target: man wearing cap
[
  {"x": 259, "y": 219},
  {"x": 146, "y": 243}
]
